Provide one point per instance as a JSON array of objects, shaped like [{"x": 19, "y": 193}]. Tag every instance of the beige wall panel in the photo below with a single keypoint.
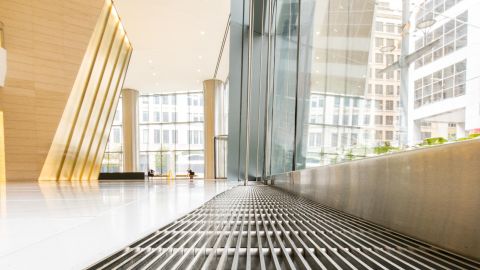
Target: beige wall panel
[
  {"x": 57, "y": 153},
  {"x": 45, "y": 49}
]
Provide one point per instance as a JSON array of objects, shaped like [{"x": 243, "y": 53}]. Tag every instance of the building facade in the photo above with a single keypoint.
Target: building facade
[
  {"x": 443, "y": 81},
  {"x": 345, "y": 126}
]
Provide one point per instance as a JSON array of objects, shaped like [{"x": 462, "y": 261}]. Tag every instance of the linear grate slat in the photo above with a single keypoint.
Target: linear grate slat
[{"x": 261, "y": 227}]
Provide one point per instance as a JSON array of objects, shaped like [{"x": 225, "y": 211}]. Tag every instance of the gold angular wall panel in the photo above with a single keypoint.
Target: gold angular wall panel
[
  {"x": 80, "y": 139},
  {"x": 46, "y": 41}
]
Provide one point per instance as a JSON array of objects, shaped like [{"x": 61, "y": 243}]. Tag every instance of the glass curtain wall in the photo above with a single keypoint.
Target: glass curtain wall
[
  {"x": 307, "y": 49},
  {"x": 113, "y": 157},
  {"x": 171, "y": 134},
  {"x": 330, "y": 81},
  {"x": 354, "y": 106}
]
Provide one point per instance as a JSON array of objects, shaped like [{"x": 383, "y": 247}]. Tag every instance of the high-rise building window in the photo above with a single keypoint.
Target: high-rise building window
[
  {"x": 450, "y": 37},
  {"x": 366, "y": 120},
  {"x": 145, "y": 136},
  {"x": 389, "y": 105},
  {"x": 177, "y": 138},
  {"x": 379, "y": 26},
  {"x": 165, "y": 117},
  {"x": 442, "y": 84},
  {"x": 389, "y": 59},
  {"x": 166, "y": 136},
  {"x": 113, "y": 157},
  {"x": 164, "y": 99},
  {"x": 337, "y": 101},
  {"x": 390, "y": 90},
  {"x": 116, "y": 134},
  {"x": 388, "y": 135},
  {"x": 145, "y": 116},
  {"x": 334, "y": 140},
  {"x": 389, "y": 120},
  {"x": 354, "y": 120},
  {"x": 156, "y": 136},
  {"x": 390, "y": 28}
]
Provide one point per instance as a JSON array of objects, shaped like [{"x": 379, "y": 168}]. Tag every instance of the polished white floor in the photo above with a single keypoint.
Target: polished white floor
[{"x": 52, "y": 225}]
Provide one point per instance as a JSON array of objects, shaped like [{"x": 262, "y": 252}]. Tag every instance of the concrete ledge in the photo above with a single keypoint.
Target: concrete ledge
[{"x": 431, "y": 194}]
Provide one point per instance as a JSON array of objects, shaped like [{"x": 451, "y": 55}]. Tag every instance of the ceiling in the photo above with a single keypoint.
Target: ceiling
[{"x": 175, "y": 43}]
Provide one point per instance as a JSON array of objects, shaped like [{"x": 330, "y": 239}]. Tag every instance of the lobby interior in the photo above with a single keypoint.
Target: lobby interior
[{"x": 242, "y": 134}]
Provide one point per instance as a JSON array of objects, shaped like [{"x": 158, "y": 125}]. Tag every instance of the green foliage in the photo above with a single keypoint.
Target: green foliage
[
  {"x": 434, "y": 141},
  {"x": 349, "y": 156},
  {"x": 469, "y": 137},
  {"x": 386, "y": 148}
]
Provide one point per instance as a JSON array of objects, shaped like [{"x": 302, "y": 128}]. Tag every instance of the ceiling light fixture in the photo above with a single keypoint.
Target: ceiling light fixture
[
  {"x": 154, "y": 74},
  {"x": 202, "y": 33},
  {"x": 198, "y": 70},
  {"x": 199, "y": 57},
  {"x": 425, "y": 24},
  {"x": 150, "y": 61}
]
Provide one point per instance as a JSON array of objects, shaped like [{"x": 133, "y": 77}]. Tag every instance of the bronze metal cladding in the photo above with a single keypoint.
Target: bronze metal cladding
[{"x": 80, "y": 139}]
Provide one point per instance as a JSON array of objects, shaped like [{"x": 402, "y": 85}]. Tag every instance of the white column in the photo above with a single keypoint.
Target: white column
[
  {"x": 130, "y": 127},
  {"x": 211, "y": 99}
]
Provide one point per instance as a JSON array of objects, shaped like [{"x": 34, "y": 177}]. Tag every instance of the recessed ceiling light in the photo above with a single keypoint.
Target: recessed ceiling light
[
  {"x": 150, "y": 61},
  {"x": 199, "y": 57},
  {"x": 154, "y": 74},
  {"x": 318, "y": 33},
  {"x": 316, "y": 57},
  {"x": 317, "y": 71},
  {"x": 202, "y": 33},
  {"x": 198, "y": 70}
]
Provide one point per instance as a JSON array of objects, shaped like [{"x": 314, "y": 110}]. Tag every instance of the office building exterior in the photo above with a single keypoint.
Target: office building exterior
[{"x": 444, "y": 81}]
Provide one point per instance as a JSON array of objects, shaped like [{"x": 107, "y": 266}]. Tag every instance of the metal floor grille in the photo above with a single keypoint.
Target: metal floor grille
[{"x": 260, "y": 227}]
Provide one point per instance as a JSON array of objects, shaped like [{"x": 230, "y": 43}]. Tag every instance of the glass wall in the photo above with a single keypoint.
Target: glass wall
[
  {"x": 348, "y": 79},
  {"x": 113, "y": 157},
  {"x": 171, "y": 134}
]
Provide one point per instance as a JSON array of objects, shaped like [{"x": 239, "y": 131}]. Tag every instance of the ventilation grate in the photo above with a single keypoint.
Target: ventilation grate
[{"x": 260, "y": 227}]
